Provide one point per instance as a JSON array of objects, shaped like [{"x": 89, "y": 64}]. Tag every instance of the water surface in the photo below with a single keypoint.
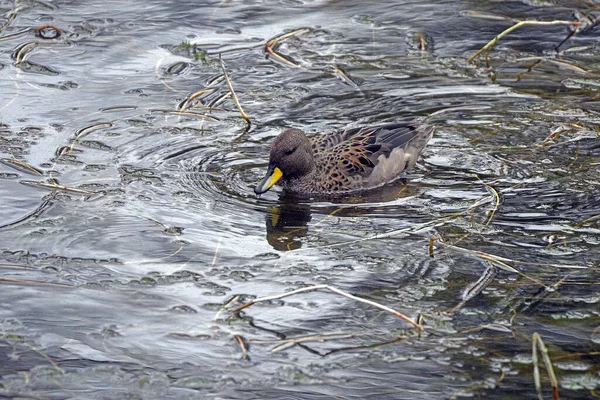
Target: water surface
[{"x": 126, "y": 229}]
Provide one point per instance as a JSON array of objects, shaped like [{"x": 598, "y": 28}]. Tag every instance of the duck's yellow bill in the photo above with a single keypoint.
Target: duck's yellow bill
[{"x": 273, "y": 176}]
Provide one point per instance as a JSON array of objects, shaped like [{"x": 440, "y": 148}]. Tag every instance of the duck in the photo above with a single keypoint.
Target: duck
[{"x": 349, "y": 160}]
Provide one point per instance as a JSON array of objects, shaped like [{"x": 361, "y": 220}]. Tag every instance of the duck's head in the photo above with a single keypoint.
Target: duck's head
[{"x": 291, "y": 157}]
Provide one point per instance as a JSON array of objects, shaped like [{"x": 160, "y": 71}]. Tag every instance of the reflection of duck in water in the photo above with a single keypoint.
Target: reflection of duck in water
[
  {"x": 288, "y": 220},
  {"x": 350, "y": 160},
  {"x": 286, "y": 224}
]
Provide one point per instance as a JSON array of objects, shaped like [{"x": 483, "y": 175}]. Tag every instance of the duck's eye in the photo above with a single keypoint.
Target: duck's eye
[{"x": 289, "y": 151}]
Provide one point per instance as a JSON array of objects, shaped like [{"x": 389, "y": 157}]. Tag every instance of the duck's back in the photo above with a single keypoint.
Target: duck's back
[{"x": 367, "y": 157}]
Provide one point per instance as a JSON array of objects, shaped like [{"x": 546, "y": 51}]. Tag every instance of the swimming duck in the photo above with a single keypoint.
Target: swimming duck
[{"x": 349, "y": 160}]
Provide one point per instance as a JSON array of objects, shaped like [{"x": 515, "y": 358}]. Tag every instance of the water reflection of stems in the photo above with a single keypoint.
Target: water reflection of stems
[{"x": 538, "y": 343}]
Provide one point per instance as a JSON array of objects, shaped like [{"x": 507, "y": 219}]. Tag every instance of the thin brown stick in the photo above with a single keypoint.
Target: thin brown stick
[{"x": 334, "y": 290}]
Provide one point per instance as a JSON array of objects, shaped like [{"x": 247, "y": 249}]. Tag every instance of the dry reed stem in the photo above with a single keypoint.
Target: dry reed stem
[
  {"x": 14, "y": 280},
  {"x": 496, "y": 259},
  {"x": 23, "y": 51},
  {"x": 489, "y": 16},
  {"x": 83, "y": 132},
  {"x": 585, "y": 221},
  {"x": 45, "y": 356},
  {"x": 21, "y": 166},
  {"x": 235, "y": 98},
  {"x": 242, "y": 342},
  {"x": 490, "y": 45},
  {"x": 496, "y": 198},
  {"x": 473, "y": 289},
  {"x": 309, "y": 338},
  {"x": 185, "y": 114},
  {"x": 225, "y": 307},
  {"x": 334, "y": 290},
  {"x": 55, "y": 186},
  {"x": 38, "y": 210},
  {"x": 184, "y": 105},
  {"x": 272, "y": 44},
  {"x": 287, "y": 343},
  {"x": 538, "y": 343},
  {"x": 119, "y": 108},
  {"x": 7, "y": 266},
  {"x": 494, "y": 327}
]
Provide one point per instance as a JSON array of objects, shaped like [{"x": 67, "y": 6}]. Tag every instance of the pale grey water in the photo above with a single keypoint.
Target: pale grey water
[{"x": 117, "y": 294}]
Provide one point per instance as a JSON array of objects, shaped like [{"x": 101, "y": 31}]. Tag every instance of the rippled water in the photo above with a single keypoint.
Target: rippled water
[{"x": 126, "y": 228}]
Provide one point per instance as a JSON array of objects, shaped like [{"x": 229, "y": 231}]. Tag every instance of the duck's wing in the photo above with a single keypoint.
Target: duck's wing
[{"x": 360, "y": 150}]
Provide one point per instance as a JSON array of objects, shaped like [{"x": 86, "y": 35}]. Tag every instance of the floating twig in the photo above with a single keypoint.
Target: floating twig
[
  {"x": 26, "y": 267},
  {"x": 225, "y": 307},
  {"x": 334, "y": 290}
]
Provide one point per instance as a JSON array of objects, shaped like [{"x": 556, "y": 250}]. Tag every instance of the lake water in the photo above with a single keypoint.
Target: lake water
[{"x": 129, "y": 226}]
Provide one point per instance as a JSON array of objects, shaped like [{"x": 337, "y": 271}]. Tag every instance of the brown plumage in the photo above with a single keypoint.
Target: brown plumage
[{"x": 349, "y": 160}]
